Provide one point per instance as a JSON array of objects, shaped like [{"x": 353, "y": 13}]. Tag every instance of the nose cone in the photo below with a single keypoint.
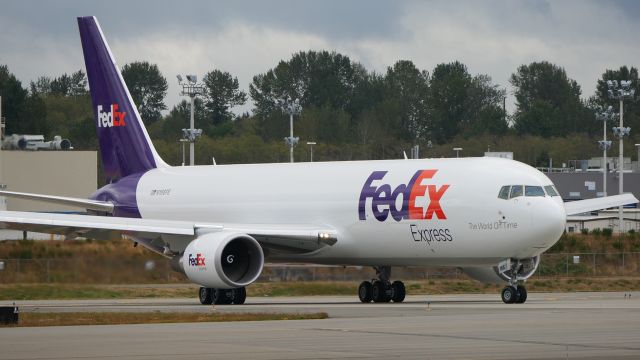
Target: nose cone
[{"x": 549, "y": 223}]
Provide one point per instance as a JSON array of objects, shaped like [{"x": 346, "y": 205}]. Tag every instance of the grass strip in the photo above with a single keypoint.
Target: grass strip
[
  {"x": 62, "y": 291},
  {"x": 117, "y": 318}
]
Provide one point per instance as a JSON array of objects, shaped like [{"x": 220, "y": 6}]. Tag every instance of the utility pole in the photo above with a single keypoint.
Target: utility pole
[
  {"x": 191, "y": 88},
  {"x": 620, "y": 93}
]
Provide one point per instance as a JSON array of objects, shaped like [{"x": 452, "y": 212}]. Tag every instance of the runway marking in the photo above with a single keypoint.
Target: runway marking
[{"x": 460, "y": 337}]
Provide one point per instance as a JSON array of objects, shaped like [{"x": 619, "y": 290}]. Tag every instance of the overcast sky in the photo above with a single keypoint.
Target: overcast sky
[{"x": 249, "y": 37}]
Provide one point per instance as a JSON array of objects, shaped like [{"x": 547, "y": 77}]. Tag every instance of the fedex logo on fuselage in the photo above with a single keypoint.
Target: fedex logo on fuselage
[
  {"x": 198, "y": 260},
  {"x": 385, "y": 200},
  {"x": 111, "y": 118}
]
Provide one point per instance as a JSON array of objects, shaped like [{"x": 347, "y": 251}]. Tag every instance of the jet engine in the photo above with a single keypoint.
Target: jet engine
[
  {"x": 522, "y": 269},
  {"x": 223, "y": 260}
]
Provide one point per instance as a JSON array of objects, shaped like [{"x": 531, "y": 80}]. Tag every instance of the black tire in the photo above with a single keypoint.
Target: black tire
[
  {"x": 365, "y": 292},
  {"x": 379, "y": 292},
  {"x": 219, "y": 296},
  {"x": 399, "y": 291},
  {"x": 204, "y": 295},
  {"x": 522, "y": 294},
  {"x": 509, "y": 295},
  {"x": 239, "y": 296}
]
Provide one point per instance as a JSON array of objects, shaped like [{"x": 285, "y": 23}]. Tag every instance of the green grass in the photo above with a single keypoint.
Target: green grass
[
  {"x": 109, "y": 318},
  {"x": 16, "y": 292}
]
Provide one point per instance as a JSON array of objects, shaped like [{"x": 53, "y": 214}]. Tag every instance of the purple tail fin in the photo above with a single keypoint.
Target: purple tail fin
[{"x": 125, "y": 146}]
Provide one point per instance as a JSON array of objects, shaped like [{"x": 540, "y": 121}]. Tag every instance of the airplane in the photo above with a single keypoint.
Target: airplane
[{"x": 218, "y": 224}]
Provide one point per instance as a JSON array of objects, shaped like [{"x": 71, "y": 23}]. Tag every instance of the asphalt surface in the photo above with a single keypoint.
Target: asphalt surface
[{"x": 548, "y": 326}]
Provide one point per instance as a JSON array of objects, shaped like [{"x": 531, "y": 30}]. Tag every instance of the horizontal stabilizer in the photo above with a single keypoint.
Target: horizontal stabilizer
[
  {"x": 94, "y": 205},
  {"x": 583, "y": 206}
]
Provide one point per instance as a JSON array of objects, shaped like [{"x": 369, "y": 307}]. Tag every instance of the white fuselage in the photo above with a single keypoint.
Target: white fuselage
[{"x": 468, "y": 224}]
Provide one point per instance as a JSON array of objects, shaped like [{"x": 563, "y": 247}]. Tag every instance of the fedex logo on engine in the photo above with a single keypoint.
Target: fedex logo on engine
[
  {"x": 385, "y": 201},
  {"x": 111, "y": 118},
  {"x": 198, "y": 260}
]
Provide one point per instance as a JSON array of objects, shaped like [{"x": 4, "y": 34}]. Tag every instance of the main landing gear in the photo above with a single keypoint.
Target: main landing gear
[
  {"x": 208, "y": 296},
  {"x": 382, "y": 290}
]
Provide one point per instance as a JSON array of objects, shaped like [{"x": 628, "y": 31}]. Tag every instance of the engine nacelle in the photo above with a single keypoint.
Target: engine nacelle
[
  {"x": 504, "y": 271},
  {"x": 223, "y": 260}
]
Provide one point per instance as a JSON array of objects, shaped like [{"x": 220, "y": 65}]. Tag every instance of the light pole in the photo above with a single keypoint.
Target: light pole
[
  {"x": 457, "y": 150},
  {"x": 191, "y": 88},
  {"x": 182, "y": 141},
  {"x": 605, "y": 116},
  {"x": 292, "y": 107},
  {"x": 311, "y": 143},
  {"x": 620, "y": 93},
  {"x": 638, "y": 147}
]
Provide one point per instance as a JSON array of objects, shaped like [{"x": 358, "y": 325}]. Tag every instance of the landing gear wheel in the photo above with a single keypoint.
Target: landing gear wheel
[
  {"x": 379, "y": 292},
  {"x": 204, "y": 295},
  {"x": 221, "y": 296},
  {"x": 365, "y": 292},
  {"x": 239, "y": 296},
  {"x": 399, "y": 291},
  {"x": 509, "y": 295},
  {"x": 522, "y": 294}
]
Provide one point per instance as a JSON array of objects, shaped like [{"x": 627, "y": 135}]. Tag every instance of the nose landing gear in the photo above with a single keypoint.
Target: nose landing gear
[
  {"x": 514, "y": 293},
  {"x": 382, "y": 290}
]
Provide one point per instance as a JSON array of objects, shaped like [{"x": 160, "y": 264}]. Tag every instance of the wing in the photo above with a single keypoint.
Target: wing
[
  {"x": 583, "y": 206},
  {"x": 168, "y": 237},
  {"x": 95, "y": 205}
]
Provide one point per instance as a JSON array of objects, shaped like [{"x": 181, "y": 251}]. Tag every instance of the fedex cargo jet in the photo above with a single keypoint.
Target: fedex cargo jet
[{"x": 218, "y": 224}]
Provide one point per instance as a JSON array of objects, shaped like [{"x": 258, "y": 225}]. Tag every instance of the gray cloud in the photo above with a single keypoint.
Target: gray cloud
[{"x": 248, "y": 37}]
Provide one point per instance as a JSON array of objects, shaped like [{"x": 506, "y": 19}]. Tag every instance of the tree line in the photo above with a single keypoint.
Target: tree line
[{"x": 351, "y": 112}]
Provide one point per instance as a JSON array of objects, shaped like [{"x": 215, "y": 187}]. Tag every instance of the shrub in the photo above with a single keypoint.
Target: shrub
[
  {"x": 584, "y": 231},
  {"x": 607, "y": 232},
  {"x": 596, "y": 231}
]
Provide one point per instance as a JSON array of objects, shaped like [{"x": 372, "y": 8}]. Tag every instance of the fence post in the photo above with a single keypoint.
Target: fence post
[{"x": 566, "y": 262}]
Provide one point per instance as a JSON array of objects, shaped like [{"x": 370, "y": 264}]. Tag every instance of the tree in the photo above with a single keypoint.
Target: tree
[
  {"x": 484, "y": 112},
  {"x": 73, "y": 85},
  {"x": 148, "y": 89},
  {"x": 545, "y": 94},
  {"x": 222, "y": 94},
  {"x": 316, "y": 78},
  {"x": 13, "y": 99},
  {"x": 410, "y": 87}
]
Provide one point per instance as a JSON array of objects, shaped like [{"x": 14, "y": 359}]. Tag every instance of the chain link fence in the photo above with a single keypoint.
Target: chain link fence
[{"x": 103, "y": 270}]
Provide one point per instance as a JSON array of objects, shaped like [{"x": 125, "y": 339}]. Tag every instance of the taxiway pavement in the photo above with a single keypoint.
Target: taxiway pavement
[{"x": 548, "y": 326}]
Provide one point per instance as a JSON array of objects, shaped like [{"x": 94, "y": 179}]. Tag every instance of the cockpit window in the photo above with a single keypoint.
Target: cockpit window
[
  {"x": 551, "y": 190},
  {"x": 516, "y": 190},
  {"x": 504, "y": 192},
  {"x": 533, "y": 191}
]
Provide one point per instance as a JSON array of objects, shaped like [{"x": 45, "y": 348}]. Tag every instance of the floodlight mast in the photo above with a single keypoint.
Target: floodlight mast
[
  {"x": 605, "y": 116},
  {"x": 292, "y": 107},
  {"x": 191, "y": 88},
  {"x": 620, "y": 92}
]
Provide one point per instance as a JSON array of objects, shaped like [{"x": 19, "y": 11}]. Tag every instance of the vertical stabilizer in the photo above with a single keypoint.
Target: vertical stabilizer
[{"x": 125, "y": 146}]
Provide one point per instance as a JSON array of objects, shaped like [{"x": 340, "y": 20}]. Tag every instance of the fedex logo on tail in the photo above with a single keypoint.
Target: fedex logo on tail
[
  {"x": 385, "y": 200},
  {"x": 110, "y": 118}
]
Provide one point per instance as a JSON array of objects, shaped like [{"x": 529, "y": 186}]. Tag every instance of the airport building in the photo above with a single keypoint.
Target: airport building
[
  {"x": 583, "y": 179},
  {"x": 64, "y": 173}
]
